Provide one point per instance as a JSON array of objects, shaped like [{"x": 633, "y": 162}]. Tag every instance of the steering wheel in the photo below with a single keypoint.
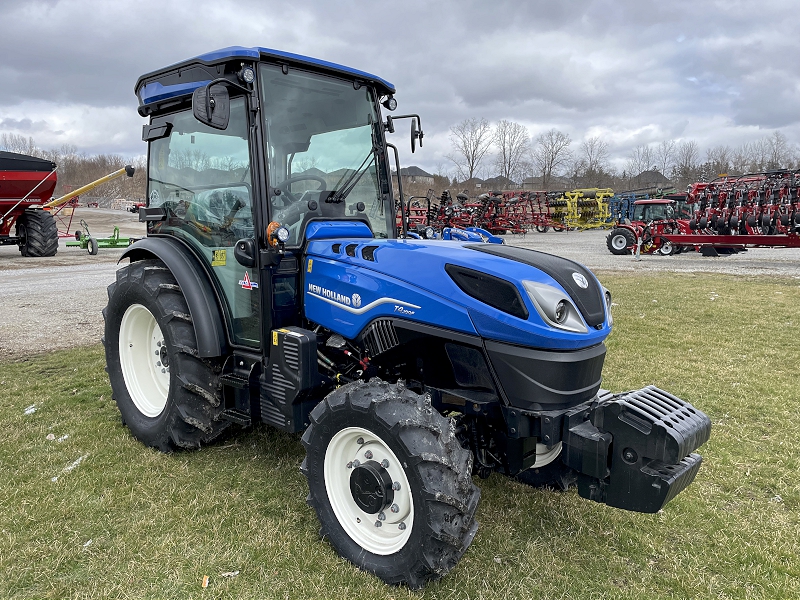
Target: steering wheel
[{"x": 284, "y": 185}]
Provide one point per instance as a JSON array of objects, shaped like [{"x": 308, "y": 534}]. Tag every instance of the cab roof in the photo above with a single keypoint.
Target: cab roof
[{"x": 184, "y": 77}]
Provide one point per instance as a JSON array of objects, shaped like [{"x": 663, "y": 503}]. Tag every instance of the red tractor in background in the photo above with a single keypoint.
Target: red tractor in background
[{"x": 652, "y": 219}]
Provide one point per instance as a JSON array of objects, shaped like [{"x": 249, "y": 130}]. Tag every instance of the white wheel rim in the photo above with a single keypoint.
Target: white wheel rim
[
  {"x": 666, "y": 248},
  {"x": 619, "y": 242},
  {"x": 546, "y": 454},
  {"x": 141, "y": 352},
  {"x": 396, "y": 527}
]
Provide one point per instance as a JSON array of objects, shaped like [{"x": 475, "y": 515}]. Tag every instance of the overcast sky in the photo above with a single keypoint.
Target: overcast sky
[{"x": 630, "y": 71}]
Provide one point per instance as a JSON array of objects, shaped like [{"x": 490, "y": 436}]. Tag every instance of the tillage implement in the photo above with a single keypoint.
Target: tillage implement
[{"x": 274, "y": 286}]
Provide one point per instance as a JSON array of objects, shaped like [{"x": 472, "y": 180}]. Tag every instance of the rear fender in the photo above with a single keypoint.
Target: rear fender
[{"x": 204, "y": 305}]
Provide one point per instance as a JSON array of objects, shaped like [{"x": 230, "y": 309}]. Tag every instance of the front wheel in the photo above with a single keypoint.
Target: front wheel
[
  {"x": 390, "y": 483},
  {"x": 666, "y": 248},
  {"x": 548, "y": 470},
  {"x": 167, "y": 395},
  {"x": 619, "y": 240}
]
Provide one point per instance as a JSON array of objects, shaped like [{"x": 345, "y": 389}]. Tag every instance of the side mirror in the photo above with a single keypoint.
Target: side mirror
[
  {"x": 211, "y": 105},
  {"x": 414, "y": 136},
  {"x": 245, "y": 252}
]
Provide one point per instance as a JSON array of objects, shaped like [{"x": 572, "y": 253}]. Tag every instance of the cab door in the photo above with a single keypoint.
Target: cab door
[{"x": 203, "y": 179}]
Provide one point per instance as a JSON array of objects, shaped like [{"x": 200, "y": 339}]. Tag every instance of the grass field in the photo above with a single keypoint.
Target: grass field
[{"x": 97, "y": 515}]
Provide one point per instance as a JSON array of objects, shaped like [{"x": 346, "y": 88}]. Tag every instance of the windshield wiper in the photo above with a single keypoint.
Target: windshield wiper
[{"x": 340, "y": 194}]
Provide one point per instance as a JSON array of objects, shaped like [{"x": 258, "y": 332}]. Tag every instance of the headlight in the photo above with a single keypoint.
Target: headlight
[
  {"x": 430, "y": 233},
  {"x": 607, "y": 296},
  {"x": 555, "y": 307}
]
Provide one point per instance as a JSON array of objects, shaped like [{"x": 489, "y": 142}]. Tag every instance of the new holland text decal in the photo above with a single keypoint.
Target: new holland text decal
[{"x": 353, "y": 303}]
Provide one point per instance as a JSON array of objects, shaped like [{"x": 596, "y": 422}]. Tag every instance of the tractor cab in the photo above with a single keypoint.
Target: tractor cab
[
  {"x": 653, "y": 210},
  {"x": 247, "y": 137}
]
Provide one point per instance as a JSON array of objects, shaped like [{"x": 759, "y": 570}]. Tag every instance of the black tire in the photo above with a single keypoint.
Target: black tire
[
  {"x": 619, "y": 240},
  {"x": 542, "y": 228},
  {"x": 191, "y": 413},
  {"x": 429, "y": 457},
  {"x": 91, "y": 246},
  {"x": 666, "y": 248},
  {"x": 38, "y": 232}
]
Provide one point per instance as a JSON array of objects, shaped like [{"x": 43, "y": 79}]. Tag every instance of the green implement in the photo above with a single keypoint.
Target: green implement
[{"x": 92, "y": 244}]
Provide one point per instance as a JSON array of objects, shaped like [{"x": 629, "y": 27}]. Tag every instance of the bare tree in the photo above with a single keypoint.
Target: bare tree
[
  {"x": 594, "y": 153},
  {"x": 640, "y": 160},
  {"x": 779, "y": 151},
  {"x": 665, "y": 156},
  {"x": 470, "y": 140},
  {"x": 513, "y": 144},
  {"x": 687, "y": 158},
  {"x": 719, "y": 160},
  {"x": 593, "y": 160},
  {"x": 551, "y": 153},
  {"x": 742, "y": 159},
  {"x": 19, "y": 144}
]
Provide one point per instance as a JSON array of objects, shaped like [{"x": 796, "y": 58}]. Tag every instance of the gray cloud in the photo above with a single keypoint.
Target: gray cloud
[{"x": 637, "y": 71}]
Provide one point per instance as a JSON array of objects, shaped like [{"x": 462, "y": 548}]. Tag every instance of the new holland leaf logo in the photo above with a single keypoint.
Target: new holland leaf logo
[{"x": 246, "y": 283}]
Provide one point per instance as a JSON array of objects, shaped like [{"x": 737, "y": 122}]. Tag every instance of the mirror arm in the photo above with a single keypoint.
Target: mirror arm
[
  {"x": 399, "y": 190},
  {"x": 229, "y": 83}
]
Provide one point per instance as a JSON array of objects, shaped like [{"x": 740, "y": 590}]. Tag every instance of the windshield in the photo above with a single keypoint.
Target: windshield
[
  {"x": 322, "y": 150},
  {"x": 653, "y": 212}
]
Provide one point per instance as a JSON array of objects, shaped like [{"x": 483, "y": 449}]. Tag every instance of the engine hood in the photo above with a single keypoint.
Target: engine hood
[{"x": 500, "y": 308}]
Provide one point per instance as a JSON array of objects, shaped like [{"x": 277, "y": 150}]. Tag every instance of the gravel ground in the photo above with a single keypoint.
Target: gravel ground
[{"x": 52, "y": 303}]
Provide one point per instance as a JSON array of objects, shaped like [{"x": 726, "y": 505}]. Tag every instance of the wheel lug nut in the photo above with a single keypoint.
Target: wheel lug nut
[
  {"x": 395, "y": 508},
  {"x": 350, "y": 465},
  {"x": 396, "y": 486},
  {"x": 360, "y": 441},
  {"x": 402, "y": 526},
  {"x": 163, "y": 370},
  {"x": 385, "y": 463},
  {"x": 158, "y": 344},
  {"x": 157, "y": 352},
  {"x": 356, "y": 463},
  {"x": 382, "y": 516},
  {"x": 378, "y": 523},
  {"x": 158, "y": 363},
  {"x": 368, "y": 454}
]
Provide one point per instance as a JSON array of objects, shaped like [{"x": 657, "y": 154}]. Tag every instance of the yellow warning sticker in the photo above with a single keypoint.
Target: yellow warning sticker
[
  {"x": 219, "y": 258},
  {"x": 274, "y": 338},
  {"x": 310, "y": 263}
]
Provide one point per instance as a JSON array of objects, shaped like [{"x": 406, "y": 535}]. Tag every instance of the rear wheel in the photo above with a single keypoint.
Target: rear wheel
[
  {"x": 666, "y": 248},
  {"x": 91, "y": 246},
  {"x": 38, "y": 233},
  {"x": 542, "y": 228},
  {"x": 390, "y": 483},
  {"x": 619, "y": 240},
  {"x": 168, "y": 396}
]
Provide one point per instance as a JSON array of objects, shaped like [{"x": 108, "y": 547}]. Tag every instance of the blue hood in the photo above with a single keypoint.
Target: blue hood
[{"x": 349, "y": 282}]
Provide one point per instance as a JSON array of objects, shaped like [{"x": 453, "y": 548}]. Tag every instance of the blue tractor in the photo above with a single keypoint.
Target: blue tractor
[{"x": 273, "y": 287}]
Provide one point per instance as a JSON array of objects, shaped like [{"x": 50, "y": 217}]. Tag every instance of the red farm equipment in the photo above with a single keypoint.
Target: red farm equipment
[
  {"x": 26, "y": 203},
  {"x": 730, "y": 213},
  {"x": 652, "y": 221},
  {"x": 26, "y": 183}
]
